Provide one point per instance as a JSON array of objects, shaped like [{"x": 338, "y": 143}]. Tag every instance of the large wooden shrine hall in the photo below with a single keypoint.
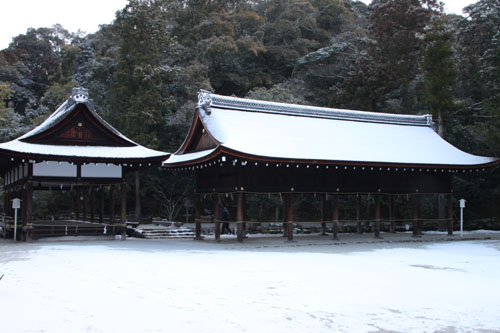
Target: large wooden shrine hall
[
  {"x": 240, "y": 146},
  {"x": 74, "y": 150}
]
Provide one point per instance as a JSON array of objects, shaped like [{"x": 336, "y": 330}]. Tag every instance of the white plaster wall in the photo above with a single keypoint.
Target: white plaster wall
[
  {"x": 101, "y": 170},
  {"x": 54, "y": 169}
]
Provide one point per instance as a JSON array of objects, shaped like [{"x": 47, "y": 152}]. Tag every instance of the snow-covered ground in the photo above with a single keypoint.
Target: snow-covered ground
[{"x": 188, "y": 286}]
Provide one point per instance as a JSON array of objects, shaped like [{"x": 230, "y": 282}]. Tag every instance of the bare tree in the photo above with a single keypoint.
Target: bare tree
[{"x": 170, "y": 203}]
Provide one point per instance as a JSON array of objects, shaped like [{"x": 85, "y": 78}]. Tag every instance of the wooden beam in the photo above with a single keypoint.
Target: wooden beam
[
  {"x": 123, "y": 210},
  {"x": 290, "y": 217},
  {"x": 377, "y": 215},
  {"x": 450, "y": 214},
  {"x": 335, "y": 226},
  {"x": 240, "y": 214},
  {"x": 217, "y": 218}
]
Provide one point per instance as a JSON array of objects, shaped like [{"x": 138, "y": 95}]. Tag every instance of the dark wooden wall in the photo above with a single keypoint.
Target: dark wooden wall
[{"x": 343, "y": 179}]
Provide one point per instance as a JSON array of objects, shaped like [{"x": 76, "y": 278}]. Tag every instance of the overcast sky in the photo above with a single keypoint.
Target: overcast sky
[{"x": 16, "y": 16}]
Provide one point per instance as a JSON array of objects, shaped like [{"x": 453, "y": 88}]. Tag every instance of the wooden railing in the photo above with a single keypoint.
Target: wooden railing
[{"x": 55, "y": 230}]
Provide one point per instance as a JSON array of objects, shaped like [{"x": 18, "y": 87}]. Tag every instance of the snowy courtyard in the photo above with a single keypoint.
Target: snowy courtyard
[{"x": 271, "y": 286}]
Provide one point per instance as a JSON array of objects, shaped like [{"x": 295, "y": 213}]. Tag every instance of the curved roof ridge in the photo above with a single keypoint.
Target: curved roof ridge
[{"x": 208, "y": 100}]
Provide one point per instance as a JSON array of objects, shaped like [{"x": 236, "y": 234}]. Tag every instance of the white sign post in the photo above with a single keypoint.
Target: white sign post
[
  {"x": 16, "y": 204},
  {"x": 462, "y": 206}
]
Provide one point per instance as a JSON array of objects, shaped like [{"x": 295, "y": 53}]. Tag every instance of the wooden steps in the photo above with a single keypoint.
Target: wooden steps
[{"x": 164, "y": 232}]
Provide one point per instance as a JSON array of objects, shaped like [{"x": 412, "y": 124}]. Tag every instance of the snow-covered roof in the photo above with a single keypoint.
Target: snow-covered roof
[
  {"x": 180, "y": 158},
  {"x": 128, "y": 150},
  {"x": 267, "y": 130},
  {"x": 99, "y": 152}
]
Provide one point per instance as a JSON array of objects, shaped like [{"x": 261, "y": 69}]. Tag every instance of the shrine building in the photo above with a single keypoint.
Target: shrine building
[
  {"x": 74, "y": 150},
  {"x": 238, "y": 146}
]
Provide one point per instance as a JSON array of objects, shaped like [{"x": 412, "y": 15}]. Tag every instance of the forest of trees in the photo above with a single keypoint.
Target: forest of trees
[{"x": 144, "y": 70}]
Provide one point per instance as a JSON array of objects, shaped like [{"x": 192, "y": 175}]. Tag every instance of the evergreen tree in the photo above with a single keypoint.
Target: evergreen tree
[
  {"x": 138, "y": 94},
  {"x": 397, "y": 27},
  {"x": 438, "y": 67}
]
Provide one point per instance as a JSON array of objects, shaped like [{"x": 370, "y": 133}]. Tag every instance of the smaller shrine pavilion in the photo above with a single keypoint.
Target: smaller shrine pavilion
[
  {"x": 75, "y": 150},
  {"x": 237, "y": 146}
]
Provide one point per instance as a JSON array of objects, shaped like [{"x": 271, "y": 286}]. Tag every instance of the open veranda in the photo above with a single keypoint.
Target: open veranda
[{"x": 359, "y": 284}]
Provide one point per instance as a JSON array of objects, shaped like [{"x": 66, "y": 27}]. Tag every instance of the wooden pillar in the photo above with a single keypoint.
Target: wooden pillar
[
  {"x": 92, "y": 204},
  {"x": 112, "y": 204},
  {"x": 5, "y": 202},
  {"x": 217, "y": 218},
  {"x": 240, "y": 214},
  {"x": 84, "y": 196},
  {"x": 197, "y": 217},
  {"x": 335, "y": 226},
  {"x": 392, "y": 229},
  {"x": 12, "y": 195},
  {"x": 420, "y": 221},
  {"x": 137, "y": 197},
  {"x": 416, "y": 215},
  {"x": 22, "y": 194},
  {"x": 71, "y": 202},
  {"x": 377, "y": 215},
  {"x": 101, "y": 205},
  {"x": 358, "y": 214},
  {"x": 290, "y": 217},
  {"x": 78, "y": 203},
  {"x": 123, "y": 211},
  {"x": 323, "y": 215},
  {"x": 285, "y": 214},
  {"x": 29, "y": 211},
  {"x": 450, "y": 214}
]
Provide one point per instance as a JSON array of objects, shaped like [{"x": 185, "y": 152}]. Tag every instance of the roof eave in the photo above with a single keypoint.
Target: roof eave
[{"x": 221, "y": 150}]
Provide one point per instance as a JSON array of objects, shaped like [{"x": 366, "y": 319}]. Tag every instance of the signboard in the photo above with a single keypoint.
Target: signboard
[
  {"x": 462, "y": 203},
  {"x": 16, "y": 203}
]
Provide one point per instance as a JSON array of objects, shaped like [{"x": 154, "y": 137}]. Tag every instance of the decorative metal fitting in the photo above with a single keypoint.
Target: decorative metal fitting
[
  {"x": 80, "y": 95},
  {"x": 205, "y": 101}
]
